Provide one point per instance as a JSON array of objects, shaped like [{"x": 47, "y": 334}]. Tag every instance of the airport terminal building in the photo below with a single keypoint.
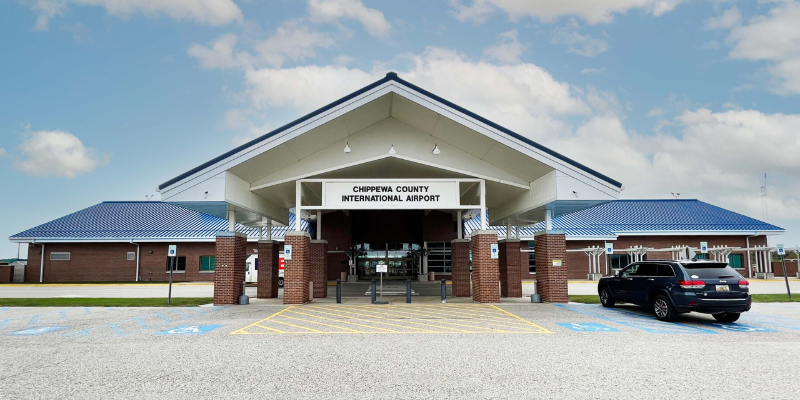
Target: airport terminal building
[{"x": 388, "y": 175}]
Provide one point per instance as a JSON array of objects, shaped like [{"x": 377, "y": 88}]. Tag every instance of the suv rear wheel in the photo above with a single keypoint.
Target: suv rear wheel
[
  {"x": 605, "y": 298},
  {"x": 663, "y": 309},
  {"x": 727, "y": 317}
]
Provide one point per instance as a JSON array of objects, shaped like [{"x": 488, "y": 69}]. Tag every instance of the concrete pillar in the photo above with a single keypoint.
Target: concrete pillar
[
  {"x": 459, "y": 255},
  {"x": 485, "y": 269},
  {"x": 319, "y": 267},
  {"x": 509, "y": 266},
  {"x": 297, "y": 271},
  {"x": 551, "y": 279},
  {"x": 268, "y": 262},
  {"x": 229, "y": 274}
]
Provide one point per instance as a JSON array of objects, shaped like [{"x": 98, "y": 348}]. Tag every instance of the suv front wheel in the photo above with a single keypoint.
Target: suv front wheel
[
  {"x": 663, "y": 308},
  {"x": 605, "y": 298}
]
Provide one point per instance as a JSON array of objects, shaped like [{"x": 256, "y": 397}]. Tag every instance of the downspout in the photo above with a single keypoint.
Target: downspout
[
  {"x": 138, "y": 248},
  {"x": 41, "y": 262}
]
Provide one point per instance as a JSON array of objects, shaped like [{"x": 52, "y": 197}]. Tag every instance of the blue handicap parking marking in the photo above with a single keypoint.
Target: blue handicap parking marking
[
  {"x": 37, "y": 331},
  {"x": 634, "y": 320},
  {"x": 776, "y": 321},
  {"x": 189, "y": 330},
  {"x": 587, "y": 327},
  {"x": 736, "y": 327}
]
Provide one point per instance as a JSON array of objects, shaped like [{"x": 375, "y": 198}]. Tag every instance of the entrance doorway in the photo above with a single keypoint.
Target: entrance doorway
[{"x": 400, "y": 258}]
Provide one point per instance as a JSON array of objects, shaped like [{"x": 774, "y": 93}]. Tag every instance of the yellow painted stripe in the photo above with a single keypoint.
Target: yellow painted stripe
[
  {"x": 524, "y": 320},
  {"x": 343, "y": 322}
]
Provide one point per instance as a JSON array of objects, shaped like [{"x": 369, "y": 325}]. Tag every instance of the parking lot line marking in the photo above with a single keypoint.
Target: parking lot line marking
[
  {"x": 523, "y": 320},
  {"x": 296, "y": 326},
  {"x": 636, "y": 321},
  {"x": 419, "y": 319},
  {"x": 319, "y": 323},
  {"x": 494, "y": 320},
  {"x": 331, "y": 319}
]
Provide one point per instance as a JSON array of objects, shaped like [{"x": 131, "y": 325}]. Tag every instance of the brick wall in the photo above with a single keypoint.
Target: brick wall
[
  {"x": 438, "y": 226},
  {"x": 791, "y": 268},
  {"x": 153, "y": 266},
  {"x": 509, "y": 265},
  {"x": 268, "y": 259},
  {"x": 297, "y": 271},
  {"x": 89, "y": 262},
  {"x": 6, "y": 273},
  {"x": 231, "y": 253},
  {"x": 319, "y": 267},
  {"x": 461, "y": 275},
  {"x": 551, "y": 280},
  {"x": 485, "y": 269}
]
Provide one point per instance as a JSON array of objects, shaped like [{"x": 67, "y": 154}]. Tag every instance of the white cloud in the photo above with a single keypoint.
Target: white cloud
[
  {"x": 294, "y": 41},
  {"x": 332, "y": 10},
  {"x": 577, "y": 43},
  {"x": 590, "y": 71},
  {"x": 774, "y": 38},
  {"x": 57, "y": 153},
  {"x": 3, "y": 152},
  {"x": 507, "y": 50},
  {"x": 726, "y": 20},
  {"x": 220, "y": 54},
  {"x": 210, "y": 12},
  {"x": 593, "y": 12}
]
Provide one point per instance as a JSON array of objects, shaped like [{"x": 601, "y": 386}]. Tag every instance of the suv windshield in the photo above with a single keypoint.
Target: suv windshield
[{"x": 710, "y": 270}]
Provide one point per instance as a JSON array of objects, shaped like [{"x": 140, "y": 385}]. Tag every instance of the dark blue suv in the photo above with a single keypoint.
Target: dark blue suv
[{"x": 670, "y": 288}]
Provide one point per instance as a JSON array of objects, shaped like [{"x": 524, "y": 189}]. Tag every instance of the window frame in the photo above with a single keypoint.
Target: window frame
[
  {"x": 738, "y": 256},
  {"x": 130, "y": 256},
  {"x": 213, "y": 264},
  {"x": 177, "y": 269},
  {"x": 68, "y": 254}
]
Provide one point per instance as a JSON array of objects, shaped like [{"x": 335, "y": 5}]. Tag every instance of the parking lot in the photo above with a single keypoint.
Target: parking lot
[{"x": 395, "y": 351}]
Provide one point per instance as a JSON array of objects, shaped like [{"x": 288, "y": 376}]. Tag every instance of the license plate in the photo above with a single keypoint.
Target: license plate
[{"x": 723, "y": 288}]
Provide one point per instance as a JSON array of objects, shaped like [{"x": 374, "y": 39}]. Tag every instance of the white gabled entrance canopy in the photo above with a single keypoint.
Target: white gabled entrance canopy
[{"x": 524, "y": 181}]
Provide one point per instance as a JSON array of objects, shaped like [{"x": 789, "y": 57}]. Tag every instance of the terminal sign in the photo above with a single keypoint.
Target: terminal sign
[{"x": 391, "y": 194}]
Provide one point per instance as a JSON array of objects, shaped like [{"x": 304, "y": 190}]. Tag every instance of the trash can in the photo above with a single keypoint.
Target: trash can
[{"x": 430, "y": 276}]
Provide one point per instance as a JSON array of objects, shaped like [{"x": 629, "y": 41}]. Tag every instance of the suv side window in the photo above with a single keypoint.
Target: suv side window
[
  {"x": 630, "y": 271},
  {"x": 647, "y": 270},
  {"x": 665, "y": 270}
]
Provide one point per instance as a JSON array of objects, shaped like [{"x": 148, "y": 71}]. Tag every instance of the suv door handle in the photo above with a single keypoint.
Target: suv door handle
[{"x": 650, "y": 279}]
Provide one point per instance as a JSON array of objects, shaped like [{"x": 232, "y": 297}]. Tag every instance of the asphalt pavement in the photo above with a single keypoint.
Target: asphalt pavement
[{"x": 329, "y": 351}]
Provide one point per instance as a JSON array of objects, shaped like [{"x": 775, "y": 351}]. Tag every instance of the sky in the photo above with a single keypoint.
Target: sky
[{"x": 105, "y": 99}]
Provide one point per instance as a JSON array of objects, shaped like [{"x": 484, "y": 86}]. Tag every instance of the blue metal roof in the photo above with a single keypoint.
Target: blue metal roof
[
  {"x": 643, "y": 216},
  {"x": 390, "y": 76},
  {"x": 143, "y": 220}
]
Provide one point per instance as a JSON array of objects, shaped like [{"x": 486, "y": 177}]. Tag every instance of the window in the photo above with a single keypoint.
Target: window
[
  {"x": 131, "y": 256},
  {"x": 207, "y": 263},
  {"x": 647, "y": 270},
  {"x": 735, "y": 260},
  {"x": 59, "y": 256},
  {"x": 619, "y": 261},
  {"x": 181, "y": 264},
  {"x": 632, "y": 271},
  {"x": 665, "y": 270},
  {"x": 531, "y": 259},
  {"x": 439, "y": 257},
  {"x": 700, "y": 256}
]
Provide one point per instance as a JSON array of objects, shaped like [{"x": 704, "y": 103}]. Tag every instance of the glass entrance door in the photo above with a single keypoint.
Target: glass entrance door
[{"x": 398, "y": 257}]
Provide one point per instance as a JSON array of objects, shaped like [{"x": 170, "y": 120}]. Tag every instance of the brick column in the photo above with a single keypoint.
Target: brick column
[
  {"x": 459, "y": 254},
  {"x": 297, "y": 271},
  {"x": 319, "y": 267},
  {"x": 509, "y": 264},
  {"x": 229, "y": 271},
  {"x": 485, "y": 269},
  {"x": 551, "y": 281},
  {"x": 268, "y": 253}
]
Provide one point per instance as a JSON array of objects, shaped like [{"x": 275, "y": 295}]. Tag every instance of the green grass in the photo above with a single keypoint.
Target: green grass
[
  {"x": 585, "y": 298},
  {"x": 106, "y": 302},
  {"x": 775, "y": 298},
  {"x": 757, "y": 298}
]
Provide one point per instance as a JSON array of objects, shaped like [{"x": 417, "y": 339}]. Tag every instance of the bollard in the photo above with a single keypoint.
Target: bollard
[
  {"x": 243, "y": 299},
  {"x": 444, "y": 291},
  {"x": 338, "y": 291},
  {"x": 408, "y": 290},
  {"x": 373, "y": 291}
]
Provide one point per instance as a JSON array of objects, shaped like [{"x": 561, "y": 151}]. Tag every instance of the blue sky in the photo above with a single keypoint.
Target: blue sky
[{"x": 105, "y": 99}]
